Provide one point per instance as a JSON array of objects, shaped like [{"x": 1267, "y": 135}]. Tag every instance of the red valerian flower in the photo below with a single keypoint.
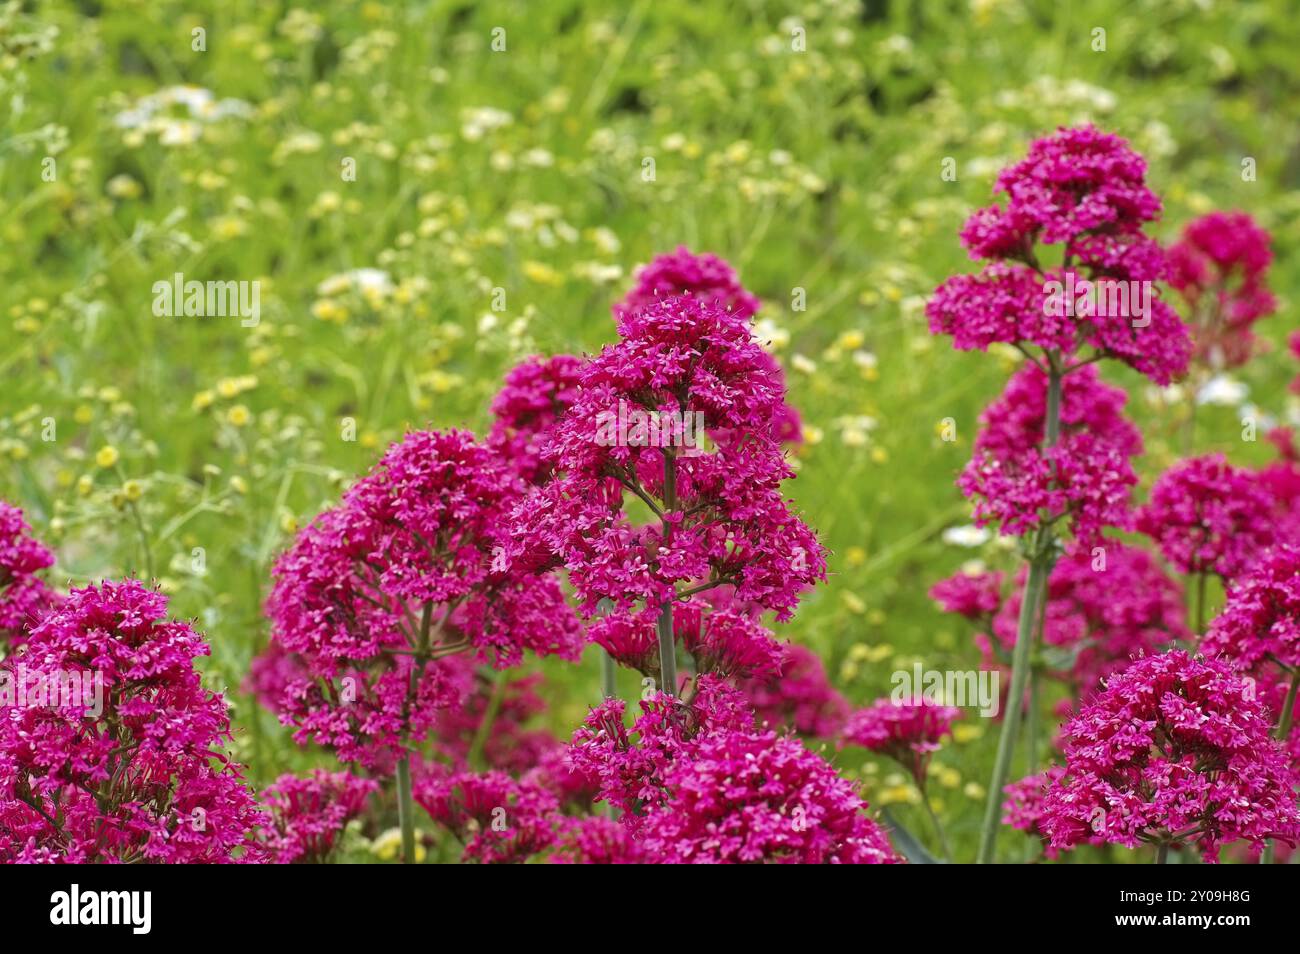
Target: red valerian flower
[
  {"x": 498, "y": 820},
  {"x": 1086, "y": 191},
  {"x": 537, "y": 393},
  {"x": 710, "y": 279},
  {"x": 975, "y": 596},
  {"x": 907, "y": 732},
  {"x": 1086, "y": 477},
  {"x": 110, "y": 745},
  {"x": 1258, "y": 631},
  {"x": 24, "y": 597},
  {"x": 1176, "y": 751},
  {"x": 729, "y": 524},
  {"x": 1219, "y": 266},
  {"x": 697, "y": 783},
  {"x": 374, "y": 594},
  {"x": 1208, "y": 517},
  {"x": 1103, "y": 610},
  {"x": 1023, "y": 809},
  {"x": 308, "y": 814},
  {"x": 800, "y": 697}
]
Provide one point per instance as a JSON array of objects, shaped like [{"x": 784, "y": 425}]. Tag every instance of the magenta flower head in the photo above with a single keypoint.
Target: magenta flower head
[
  {"x": 109, "y": 744},
  {"x": 1023, "y": 808},
  {"x": 407, "y": 570},
  {"x": 24, "y": 598},
  {"x": 976, "y": 596},
  {"x": 683, "y": 368},
  {"x": 1085, "y": 478},
  {"x": 682, "y": 272},
  {"x": 1258, "y": 632},
  {"x": 1176, "y": 751},
  {"x": 497, "y": 819},
  {"x": 713, "y": 281},
  {"x": 1085, "y": 191},
  {"x": 1219, "y": 267},
  {"x": 1104, "y": 609},
  {"x": 698, "y": 784},
  {"x": 1208, "y": 517},
  {"x": 751, "y": 797},
  {"x": 309, "y": 814},
  {"x": 596, "y": 840},
  {"x": 907, "y": 732},
  {"x": 537, "y": 393},
  {"x": 800, "y": 697}
]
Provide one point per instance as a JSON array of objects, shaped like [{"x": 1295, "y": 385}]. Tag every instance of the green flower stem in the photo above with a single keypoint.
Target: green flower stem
[
  {"x": 1040, "y": 567},
  {"x": 405, "y": 808},
  {"x": 667, "y": 644}
]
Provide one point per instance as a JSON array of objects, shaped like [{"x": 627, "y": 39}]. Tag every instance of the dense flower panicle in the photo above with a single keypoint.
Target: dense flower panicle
[
  {"x": 907, "y": 732},
  {"x": 554, "y": 771},
  {"x": 1087, "y": 476},
  {"x": 1084, "y": 190},
  {"x": 1102, "y": 611},
  {"x": 408, "y": 568},
  {"x": 1219, "y": 266},
  {"x": 800, "y": 697},
  {"x": 271, "y": 673},
  {"x": 1258, "y": 631},
  {"x": 1077, "y": 181},
  {"x": 536, "y": 394},
  {"x": 1176, "y": 749},
  {"x": 631, "y": 764},
  {"x": 746, "y": 797},
  {"x": 497, "y": 819},
  {"x": 1023, "y": 808},
  {"x": 143, "y": 778},
  {"x": 1208, "y": 517},
  {"x": 682, "y": 272},
  {"x": 24, "y": 597},
  {"x": 711, "y": 280},
  {"x": 595, "y": 840},
  {"x": 308, "y": 814},
  {"x": 975, "y": 596},
  {"x": 730, "y": 523}
]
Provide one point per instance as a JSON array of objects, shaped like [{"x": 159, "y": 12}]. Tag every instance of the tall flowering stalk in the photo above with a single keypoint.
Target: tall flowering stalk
[
  {"x": 720, "y": 520},
  {"x": 376, "y": 593},
  {"x": 1084, "y": 192}
]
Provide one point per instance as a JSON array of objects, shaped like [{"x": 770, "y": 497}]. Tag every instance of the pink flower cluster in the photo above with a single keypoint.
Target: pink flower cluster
[
  {"x": 497, "y": 819},
  {"x": 711, "y": 280},
  {"x": 373, "y": 594},
  {"x": 1219, "y": 267},
  {"x": 24, "y": 598},
  {"x": 536, "y": 394},
  {"x": 1103, "y": 610},
  {"x": 799, "y": 697},
  {"x": 975, "y": 596},
  {"x": 1258, "y": 631},
  {"x": 1208, "y": 517},
  {"x": 730, "y": 524},
  {"x": 1176, "y": 750},
  {"x": 1086, "y": 191},
  {"x": 1086, "y": 476},
  {"x": 1023, "y": 809},
  {"x": 907, "y": 732},
  {"x": 308, "y": 814},
  {"x": 698, "y": 784},
  {"x": 124, "y": 764}
]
